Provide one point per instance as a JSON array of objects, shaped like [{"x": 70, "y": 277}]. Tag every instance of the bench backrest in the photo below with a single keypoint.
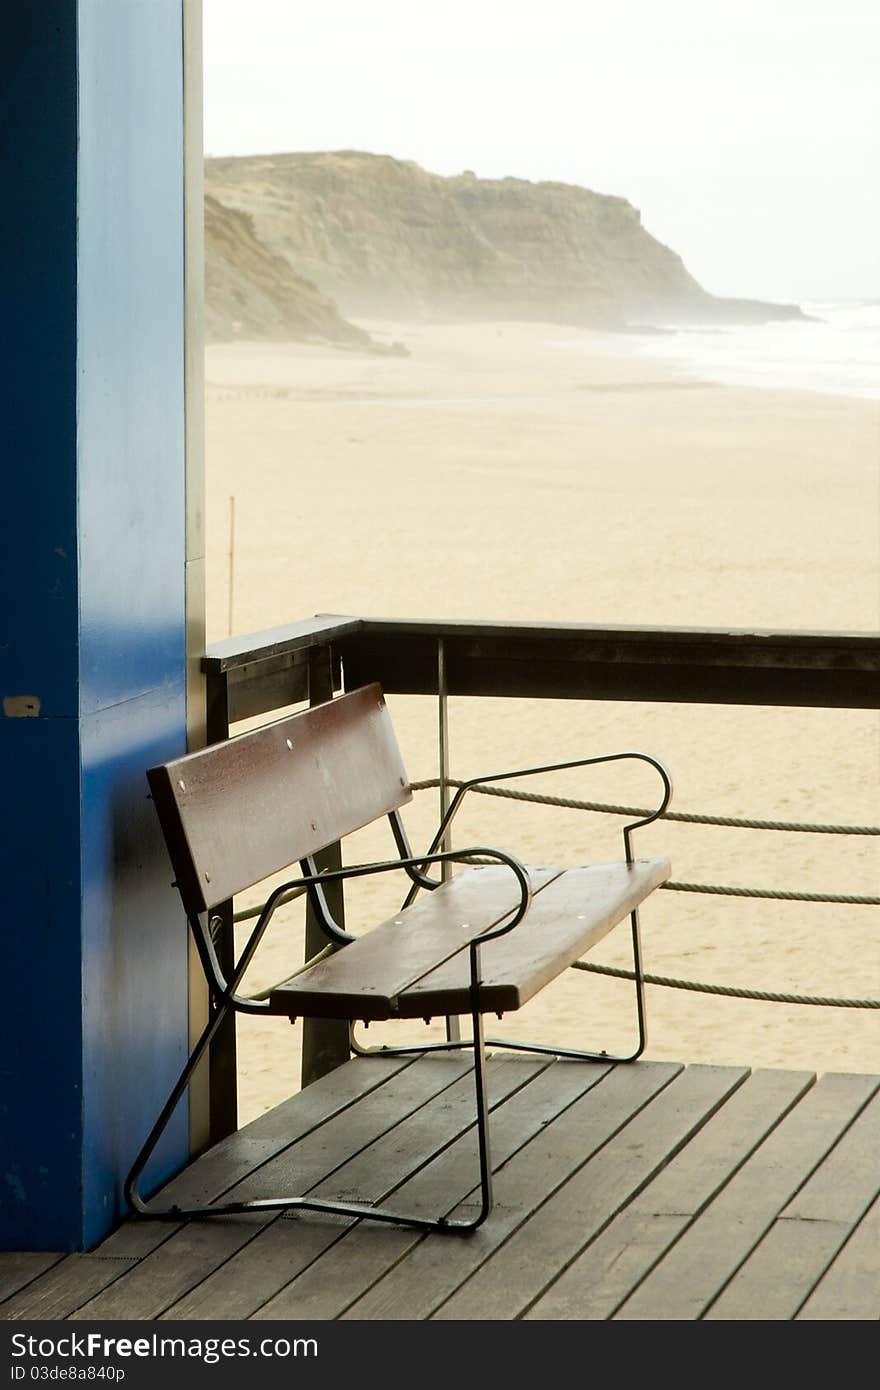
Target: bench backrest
[{"x": 236, "y": 812}]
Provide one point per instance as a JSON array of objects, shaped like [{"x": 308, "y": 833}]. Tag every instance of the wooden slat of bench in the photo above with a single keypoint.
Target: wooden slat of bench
[
  {"x": 564, "y": 921},
  {"x": 365, "y": 979},
  {"x": 237, "y": 812}
]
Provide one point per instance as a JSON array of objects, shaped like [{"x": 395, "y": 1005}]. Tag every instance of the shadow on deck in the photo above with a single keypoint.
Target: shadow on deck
[{"x": 643, "y": 1191}]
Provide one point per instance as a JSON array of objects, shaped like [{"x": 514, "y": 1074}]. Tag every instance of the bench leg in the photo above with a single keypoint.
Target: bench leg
[
  {"x": 545, "y": 1048},
  {"x": 486, "y": 1196},
  {"x": 143, "y": 1208},
  {"x": 641, "y": 1017}
]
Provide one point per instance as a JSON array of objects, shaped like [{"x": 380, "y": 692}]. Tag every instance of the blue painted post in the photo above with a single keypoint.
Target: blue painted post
[{"x": 92, "y": 649}]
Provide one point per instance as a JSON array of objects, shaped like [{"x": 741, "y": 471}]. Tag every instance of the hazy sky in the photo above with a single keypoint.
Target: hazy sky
[{"x": 746, "y": 131}]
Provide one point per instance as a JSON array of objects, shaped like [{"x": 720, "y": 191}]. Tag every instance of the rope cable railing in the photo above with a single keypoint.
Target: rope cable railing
[
  {"x": 786, "y": 895},
  {"x": 730, "y": 991},
  {"x": 690, "y": 817},
  {"x": 729, "y": 822}
]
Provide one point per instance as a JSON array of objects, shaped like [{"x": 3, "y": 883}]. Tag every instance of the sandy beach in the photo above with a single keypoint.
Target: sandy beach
[{"x": 525, "y": 472}]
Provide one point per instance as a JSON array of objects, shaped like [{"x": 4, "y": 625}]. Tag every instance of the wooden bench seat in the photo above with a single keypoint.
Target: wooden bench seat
[
  {"x": 382, "y": 975},
  {"x": 485, "y": 940}
]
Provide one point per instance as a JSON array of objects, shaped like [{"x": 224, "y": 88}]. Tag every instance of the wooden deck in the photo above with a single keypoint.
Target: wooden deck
[{"x": 642, "y": 1191}]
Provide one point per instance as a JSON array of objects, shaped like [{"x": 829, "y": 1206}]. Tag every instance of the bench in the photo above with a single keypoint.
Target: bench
[{"x": 484, "y": 940}]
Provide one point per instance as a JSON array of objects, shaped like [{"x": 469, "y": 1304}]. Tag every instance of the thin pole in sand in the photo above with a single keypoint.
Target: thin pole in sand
[{"x": 231, "y": 563}]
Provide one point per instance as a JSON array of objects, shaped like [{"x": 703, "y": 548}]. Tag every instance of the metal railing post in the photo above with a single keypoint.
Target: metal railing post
[
  {"x": 325, "y": 1043},
  {"x": 453, "y": 1024}
]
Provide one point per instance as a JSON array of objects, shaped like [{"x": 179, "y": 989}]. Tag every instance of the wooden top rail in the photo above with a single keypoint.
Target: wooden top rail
[{"x": 553, "y": 660}]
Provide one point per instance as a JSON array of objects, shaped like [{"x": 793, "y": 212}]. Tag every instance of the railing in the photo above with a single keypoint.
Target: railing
[{"x": 266, "y": 671}]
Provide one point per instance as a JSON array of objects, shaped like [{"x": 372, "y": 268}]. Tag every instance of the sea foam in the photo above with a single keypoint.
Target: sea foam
[{"x": 836, "y": 349}]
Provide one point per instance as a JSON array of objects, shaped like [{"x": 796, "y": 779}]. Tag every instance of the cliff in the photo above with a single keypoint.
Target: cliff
[
  {"x": 252, "y": 292},
  {"x": 386, "y": 238}
]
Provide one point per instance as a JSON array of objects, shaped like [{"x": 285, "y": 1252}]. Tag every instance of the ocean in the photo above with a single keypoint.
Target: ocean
[{"x": 837, "y": 350}]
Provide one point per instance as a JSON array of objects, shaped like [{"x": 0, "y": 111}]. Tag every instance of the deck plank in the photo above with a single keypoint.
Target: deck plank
[
  {"x": 236, "y": 1157},
  {"x": 646, "y": 1191},
  {"x": 20, "y": 1267},
  {"x": 313, "y": 1164},
  {"x": 437, "y": 1266},
  {"x": 685, "y": 1284},
  {"x": 366, "y": 1253},
  {"x": 782, "y": 1271},
  {"x": 199, "y": 1247},
  {"x": 850, "y": 1287},
  {"x": 525, "y": 1116},
  {"x": 267, "y": 1266},
  {"x": 560, "y": 1227},
  {"x": 64, "y": 1288},
  {"x": 608, "y": 1270}
]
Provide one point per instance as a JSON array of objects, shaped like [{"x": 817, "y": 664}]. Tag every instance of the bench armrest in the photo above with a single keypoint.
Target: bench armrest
[
  {"x": 511, "y": 774},
  {"x": 434, "y": 856},
  {"x": 229, "y": 988}
]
